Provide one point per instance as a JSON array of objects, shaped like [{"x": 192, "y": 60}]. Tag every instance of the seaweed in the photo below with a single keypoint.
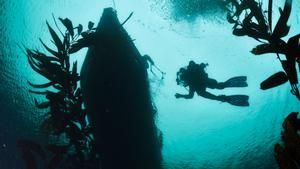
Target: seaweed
[
  {"x": 287, "y": 154},
  {"x": 249, "y": 19},
  {"x": 66, "y": 114}
]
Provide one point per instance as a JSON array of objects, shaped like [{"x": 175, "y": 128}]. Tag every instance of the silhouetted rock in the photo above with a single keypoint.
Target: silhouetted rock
[{"x": 115, "y": 88}]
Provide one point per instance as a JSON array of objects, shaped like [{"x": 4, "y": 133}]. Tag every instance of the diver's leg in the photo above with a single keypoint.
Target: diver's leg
[
  {"x": 238, "y": 81},
  {"x": 213, "y": 84}
]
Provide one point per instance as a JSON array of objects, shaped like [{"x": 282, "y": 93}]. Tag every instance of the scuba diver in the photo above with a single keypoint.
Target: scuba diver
[
  {"x": 195, "y": 77},
  {"x": 149, "y": 64}
]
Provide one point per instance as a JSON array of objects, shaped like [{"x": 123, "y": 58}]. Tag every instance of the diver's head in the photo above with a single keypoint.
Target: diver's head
[
  {"x": 182, "y": 70},
  {"x": 182, "y": 77}
]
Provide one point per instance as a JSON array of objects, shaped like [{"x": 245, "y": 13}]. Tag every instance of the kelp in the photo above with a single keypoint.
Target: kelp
[
  {"x": 256, "y": 25},
  {"x": 66, "y": 113},
  {"x": 287, "y": 153},
  {"x": 275, "y": 80}
]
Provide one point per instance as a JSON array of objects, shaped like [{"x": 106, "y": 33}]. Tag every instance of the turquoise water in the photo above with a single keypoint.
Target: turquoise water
[{"x": 198, "y": 133}]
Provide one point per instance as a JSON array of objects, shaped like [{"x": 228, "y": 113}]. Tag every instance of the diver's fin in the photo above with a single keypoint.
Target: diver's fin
[
  {"x": 238, "y": 81},
  {"x": 275, "y": 80},
  {"x": 238, "y": 100}
]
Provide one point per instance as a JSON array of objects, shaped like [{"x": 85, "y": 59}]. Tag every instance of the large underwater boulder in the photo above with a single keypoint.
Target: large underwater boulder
[{"x": 117, "y": 96}]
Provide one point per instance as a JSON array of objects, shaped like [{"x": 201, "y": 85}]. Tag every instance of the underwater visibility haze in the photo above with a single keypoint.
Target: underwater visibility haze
[{"x": 193, "y": 133}]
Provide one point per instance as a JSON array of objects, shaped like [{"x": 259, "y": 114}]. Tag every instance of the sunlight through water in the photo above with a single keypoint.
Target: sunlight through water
[{"x": 197, "y": 133}]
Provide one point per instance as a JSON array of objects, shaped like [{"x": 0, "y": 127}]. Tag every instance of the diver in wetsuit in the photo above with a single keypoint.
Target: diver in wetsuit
[
  {"x": 149, "y": 64},
  {"x": 195, "y": 77}
]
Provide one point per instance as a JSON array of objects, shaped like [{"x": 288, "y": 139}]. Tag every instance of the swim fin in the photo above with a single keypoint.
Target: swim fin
[
  {"x": 238, "y": 100},
  {"x": 238, "y": 81}
]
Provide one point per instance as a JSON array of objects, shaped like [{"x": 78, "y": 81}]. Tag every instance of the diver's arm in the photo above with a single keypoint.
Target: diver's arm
[
  {"x": 208, "y": 95},
  {"x": 186, "y": 96},
  {"x": 149, "y": 59}
]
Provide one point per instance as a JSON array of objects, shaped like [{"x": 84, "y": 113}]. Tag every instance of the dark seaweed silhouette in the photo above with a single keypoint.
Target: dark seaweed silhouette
[
  {"x": 288, "y": 153},
  {"x": 195, "y": 77},
  {"x": 28, "y": 149},
  {"x": 258, "y": 26},
  {"x": 66, "y": 116},
  {"x": 116, "y": 93}
]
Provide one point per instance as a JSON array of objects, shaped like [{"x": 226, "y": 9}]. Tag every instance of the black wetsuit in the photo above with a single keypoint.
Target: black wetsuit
[{"x": 198, "y": 81}]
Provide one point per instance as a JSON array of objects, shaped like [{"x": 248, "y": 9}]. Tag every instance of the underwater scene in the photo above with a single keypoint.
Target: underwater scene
[{"x": 149, "y": 84}]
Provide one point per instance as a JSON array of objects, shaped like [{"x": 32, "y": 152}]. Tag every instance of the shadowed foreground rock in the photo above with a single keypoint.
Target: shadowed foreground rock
[{"x": 116, "y": 93}]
